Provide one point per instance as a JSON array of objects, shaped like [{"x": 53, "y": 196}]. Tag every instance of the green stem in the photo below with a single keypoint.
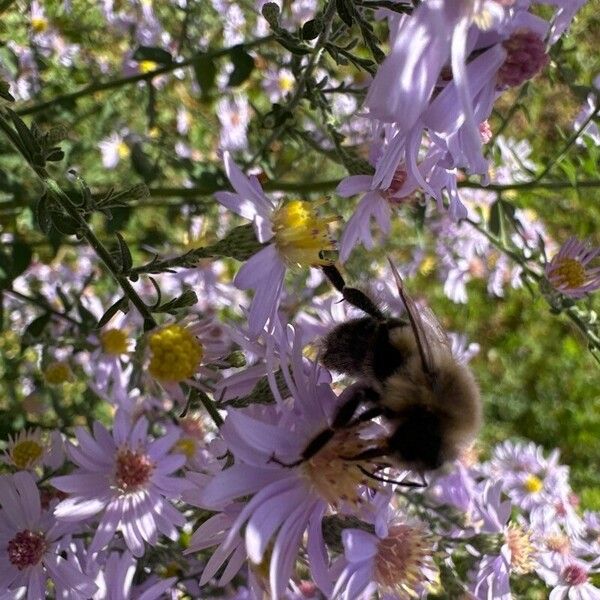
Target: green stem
[
  {"x": 302, "y": 81},
  {"x": 43, "y": 305},
  {"x": 65, "y": 202},
  {"x": 567, "y": 146},
  {"x": 116, "y": 83}
]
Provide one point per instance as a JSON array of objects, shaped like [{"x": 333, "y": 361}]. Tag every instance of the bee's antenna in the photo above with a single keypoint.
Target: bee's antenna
[
  {"x": 411, "y": 484},
  {"x": 413, "y": 317}
]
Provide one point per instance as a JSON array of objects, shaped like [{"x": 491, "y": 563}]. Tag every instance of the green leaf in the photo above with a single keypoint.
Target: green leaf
[
  {"x": 65, "y": 223},
  {"x": 122, "y": 304},
  {"x": 21, "y": 257},
  {"x": 205, "y": 71},
  {"x": 494, "y": 222},
  {"x": 125, "y": 254},
  {"x": 270, "y": 11},
  {"x": 311, "y": 29},
  {"x": 243, "y": 65},
  {"x": 34, "y": 330},
  {"x": 344, "y": 12},
  {"x": 42, "y": 214},
  {"x": 154, "y": 54}
]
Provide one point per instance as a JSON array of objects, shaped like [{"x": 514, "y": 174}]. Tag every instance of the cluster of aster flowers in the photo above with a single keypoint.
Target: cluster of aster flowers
[
  {"x": 430, "y": 100},
  {"x": 176, "y": 506}
]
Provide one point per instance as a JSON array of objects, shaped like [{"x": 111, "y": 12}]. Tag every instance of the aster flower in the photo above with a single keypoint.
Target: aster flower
[
  {"x": 115, "y": 575},
  {"x": 178, "y": 352},
  {"x": 284, "y": 502},
  {"x": 234, "y": 115},
  {"x": 570, "y": 271},
  {"x": 569, "y": 578},
  {"x": 293, "y": 232},
  {"x": 30, "y": 449},
  {"x": 32, "y": 548},
  {"x": 126, "y": 477},
  {"x": 396, "y": 561},
  {"x": 113, "y": 150},
  {"x": 517, "y": 554}
]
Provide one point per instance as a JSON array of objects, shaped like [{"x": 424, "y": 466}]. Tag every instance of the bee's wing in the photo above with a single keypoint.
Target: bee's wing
[{"x": 426, "y": 328}]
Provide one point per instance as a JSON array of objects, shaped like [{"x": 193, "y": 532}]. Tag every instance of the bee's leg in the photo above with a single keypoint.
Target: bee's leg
[
  {"x": 352, "y": 295},
  {"x": 369, "y": 414},
  {"x": 341, "y": 419},
  {"x": 368, "y": 454},
  {"x": 410, "y": 484}
]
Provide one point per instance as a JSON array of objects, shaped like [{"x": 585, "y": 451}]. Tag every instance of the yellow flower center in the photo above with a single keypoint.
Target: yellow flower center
[
  {"x": 335, "y": 478},
  {"x": 146, "y": 66},
  {"x": 186, "y": 446},
  {"x": 123, "y": 150},
  {"x": 286, "y": 83},
  {"x": 400, "y": 559},
  {"x": 114, "y": 341},
  {"x": 57, "y": 373},
  {"x": 533, "y": 484},
  {"x": 176, "y": 354},
  {"x": 25, "y": 454},
  {"x": 521, "y": 549},
  {"x": 39, "y": 24},
  {"x": 569, "y": 272},
  {"x": 301, "y": 236}
]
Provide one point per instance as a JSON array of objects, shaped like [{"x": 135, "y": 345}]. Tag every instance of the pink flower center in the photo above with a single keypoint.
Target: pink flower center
[
  {"x": 26, "y": 549},
  {"x": 398, "y": 180},
  {"x": 133, "y": 469},
  {"x": 525, "y": 57},
  {"x": 574, "y": 574}
]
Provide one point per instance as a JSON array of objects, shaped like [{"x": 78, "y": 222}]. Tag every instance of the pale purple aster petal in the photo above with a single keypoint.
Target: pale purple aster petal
[
  {"x": 139, "y": 432},
  {"x": 161, "y": 446},
  {"x": 170, "y": 463},
  {"x": 404, "y": 82},
  {"x": 106, "y": 528},
  {"x": 359, "y": 545},
  {"x": 80, "y": 483},
  {"x": 68, "y": 576},
  {"x": 355, "y": 184},
  {"x": 236, "y": 561},
  {"x": 88, "y": 445},
  {"x": 36, "y": 583},
  {"x": 239, "y": 480},
  {"x": 11, "y": 504},
  {"x": 157, "y": 590},
  {"x": 267, "y": 519},
  {"x": 358, "y": 583},
  {"x": 121, "y": 428},
  {"x": 215, "y": 562},
  {"x": 317, "y": 552},
  {"x": 247, "y": 188},
  {"x": 257, "y": 268},
  {"x": 76, "y": 509},
  {"x": 285, "y": 549},
  {"x": 237, "y": 204},
  {"x": 30, "y": 498}
]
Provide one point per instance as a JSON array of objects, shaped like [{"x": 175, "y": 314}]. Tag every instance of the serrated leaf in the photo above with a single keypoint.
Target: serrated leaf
[
  {"x": 188, "y": 298},
  {"x": 35, "y": 329},
  {"x": 42, "y": 214},
  {"x": 154, "y": 54},
  {"x": 65, "y": 223},
  {"x": 122, "y": 304},
  {"x": 126, "y": 258},
  {"x": 243, "y": 65},
  {"x": 494, "y": 221}
]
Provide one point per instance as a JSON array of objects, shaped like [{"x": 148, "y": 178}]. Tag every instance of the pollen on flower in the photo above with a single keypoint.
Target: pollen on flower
[
  {"x": 301, "y": 235},
  {"x": 568, "y": 272},
  {"x": 558, "y": 542},
  {"x": 401, "y": 558},
  {"x": 39, "y": 24},
  {"x": 26, "y": 453},
  {"x": 525, "y": 57},
  {"x": 533, "y": 484},
  {"x": 26, "y": 549},
  {"x": 335, "y": 478},
  {"x": 114, "y": 341},
  {"x": 57, "y": 372},
  {"x": 123, "y": 150},
  {"x": 187, "y": 446},
  {"x": 146, "y": 66},
  {"x": 133, "y": 469},
  {"x": 521, "y": 549},
  {"x": 176, "y": 354}
]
